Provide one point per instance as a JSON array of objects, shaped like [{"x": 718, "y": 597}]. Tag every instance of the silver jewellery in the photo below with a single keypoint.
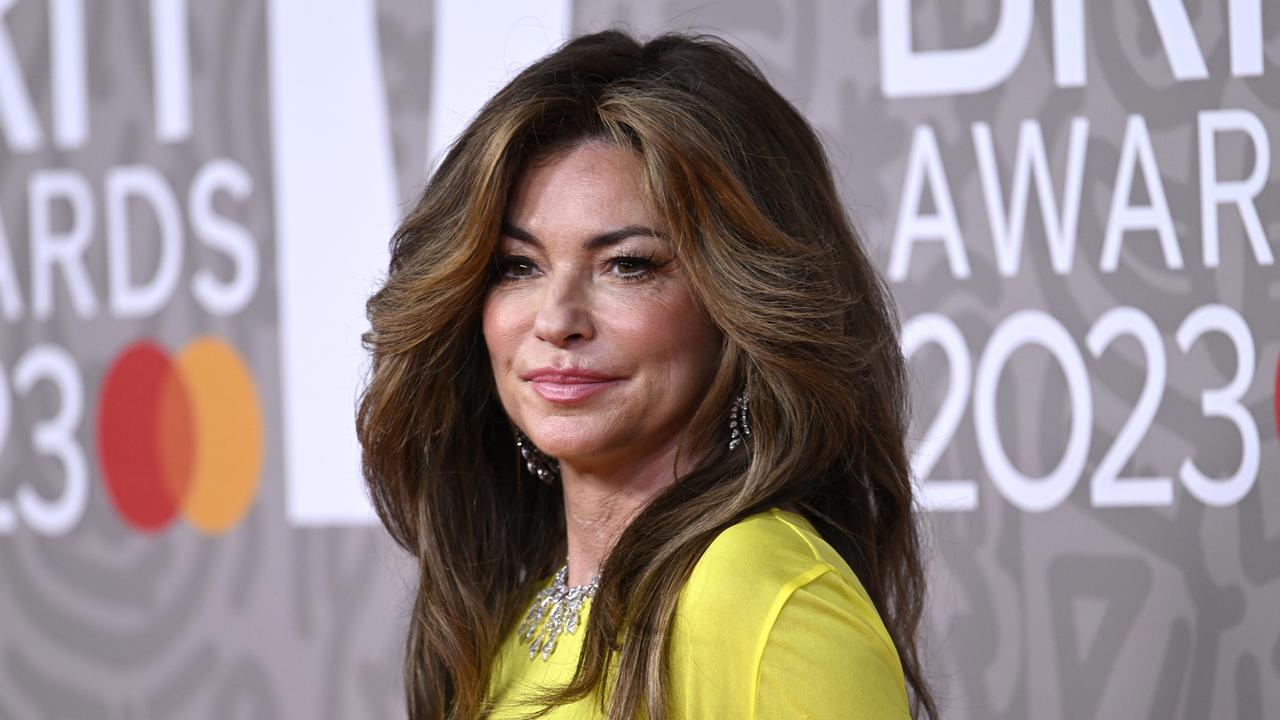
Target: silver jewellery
[
  {"x": 559, "y": 604},
  {"x": 546, "y": 469},
  {"x": 739, "y": 428}
]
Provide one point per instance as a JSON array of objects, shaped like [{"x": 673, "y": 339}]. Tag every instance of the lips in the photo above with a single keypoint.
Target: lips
[{"x": 568, "y": 385}]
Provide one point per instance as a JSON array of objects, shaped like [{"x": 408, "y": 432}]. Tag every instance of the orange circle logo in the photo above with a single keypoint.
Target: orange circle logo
[{"x": 180, "y": 434}]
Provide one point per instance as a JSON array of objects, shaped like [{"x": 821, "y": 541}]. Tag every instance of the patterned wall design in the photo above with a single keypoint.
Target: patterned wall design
[{"x": 1052, "y": 595}]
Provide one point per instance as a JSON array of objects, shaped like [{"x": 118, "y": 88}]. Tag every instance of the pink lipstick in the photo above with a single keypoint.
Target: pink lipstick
[{"x": 568, "y": 385}]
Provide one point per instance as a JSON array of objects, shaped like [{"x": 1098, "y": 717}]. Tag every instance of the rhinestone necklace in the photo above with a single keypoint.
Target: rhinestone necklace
[{"x": 559, "y": 605}]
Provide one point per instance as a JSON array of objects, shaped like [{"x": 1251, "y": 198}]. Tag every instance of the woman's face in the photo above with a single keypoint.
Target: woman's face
[{"x": 599, "y": 350}]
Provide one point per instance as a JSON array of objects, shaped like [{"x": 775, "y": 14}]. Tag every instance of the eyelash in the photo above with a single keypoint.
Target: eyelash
[{"x": 646, "y": 265}]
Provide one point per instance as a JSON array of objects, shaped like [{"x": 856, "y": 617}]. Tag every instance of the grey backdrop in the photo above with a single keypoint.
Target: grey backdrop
[{"x": 1078, "y": 611}]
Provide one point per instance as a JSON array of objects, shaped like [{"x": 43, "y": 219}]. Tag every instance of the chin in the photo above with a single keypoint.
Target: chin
[{"x": 562, "y": 437}]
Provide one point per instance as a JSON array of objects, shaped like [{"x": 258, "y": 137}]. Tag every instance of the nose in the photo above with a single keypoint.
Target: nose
[{"x": 564, "y": 317}]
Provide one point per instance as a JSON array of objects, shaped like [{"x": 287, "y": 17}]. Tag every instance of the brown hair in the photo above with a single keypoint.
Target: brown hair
[{"x": 743, "y": 189}]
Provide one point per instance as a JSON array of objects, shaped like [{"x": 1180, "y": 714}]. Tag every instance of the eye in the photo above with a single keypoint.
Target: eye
[
  {"x": 516, "y": 267},
  {"x": 631, "y": 267}
]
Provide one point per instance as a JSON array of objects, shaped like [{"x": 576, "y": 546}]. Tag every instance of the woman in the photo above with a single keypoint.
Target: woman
[{"x": 638, "y": 408}]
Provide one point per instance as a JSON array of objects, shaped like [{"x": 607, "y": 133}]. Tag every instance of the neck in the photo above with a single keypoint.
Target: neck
[{"x": 600, "y": 502}]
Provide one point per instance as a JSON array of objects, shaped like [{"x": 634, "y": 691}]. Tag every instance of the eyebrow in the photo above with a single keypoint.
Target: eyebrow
[{"x": 602, "y": 240}]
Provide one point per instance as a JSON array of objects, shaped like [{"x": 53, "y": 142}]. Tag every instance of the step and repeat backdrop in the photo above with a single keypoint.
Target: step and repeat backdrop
[{"x": 1074, "y": 203}]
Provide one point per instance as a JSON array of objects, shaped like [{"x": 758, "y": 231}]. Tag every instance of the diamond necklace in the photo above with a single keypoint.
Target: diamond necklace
[{"x": 559, "y": 605}]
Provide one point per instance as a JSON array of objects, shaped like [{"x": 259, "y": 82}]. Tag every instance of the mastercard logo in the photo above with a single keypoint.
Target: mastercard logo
[{"x": 180, "y": 435}]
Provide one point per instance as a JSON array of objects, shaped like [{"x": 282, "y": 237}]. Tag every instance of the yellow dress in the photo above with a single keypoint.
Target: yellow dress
[{"x": 771, "y": 623}]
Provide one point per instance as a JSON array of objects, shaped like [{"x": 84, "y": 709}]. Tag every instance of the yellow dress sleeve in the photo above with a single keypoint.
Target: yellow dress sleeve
[
  {"x": 823, "y": 659},
  {"x": 773, "y": 624}
]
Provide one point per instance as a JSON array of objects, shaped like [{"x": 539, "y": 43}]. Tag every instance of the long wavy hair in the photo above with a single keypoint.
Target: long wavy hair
[{"x": 739, "y": 181}]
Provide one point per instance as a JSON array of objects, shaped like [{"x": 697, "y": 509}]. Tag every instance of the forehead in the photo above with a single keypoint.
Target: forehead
[{"x": 586, "y": 187}]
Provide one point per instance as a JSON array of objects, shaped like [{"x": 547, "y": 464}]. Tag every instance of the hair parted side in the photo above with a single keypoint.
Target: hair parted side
[{"x": 739, "y": 181}]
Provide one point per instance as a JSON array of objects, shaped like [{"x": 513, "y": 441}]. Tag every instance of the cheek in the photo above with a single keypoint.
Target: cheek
[
  {"x": 698, "y": 346},
  {"x": 697, "y": 340},
  {"x": 500, "y": 322},
  {"x": 670, "y": 331},
  {"x": 500, "y": 327}
]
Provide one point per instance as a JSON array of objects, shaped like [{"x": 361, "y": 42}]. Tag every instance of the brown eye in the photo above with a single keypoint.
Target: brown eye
[
  {"x": 630, "y": 267},
  {"x": 516, "y": 267}
]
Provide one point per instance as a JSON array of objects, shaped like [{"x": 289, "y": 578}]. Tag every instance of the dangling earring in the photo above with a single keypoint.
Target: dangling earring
[
  {"x": 546, "y": 469},
  {"x": 739, "y": 428}
]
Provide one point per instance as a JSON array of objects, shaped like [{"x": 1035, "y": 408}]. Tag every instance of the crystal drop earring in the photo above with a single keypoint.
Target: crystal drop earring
[
  {"x": 739, "y": 427},
  {"x": 542, "y": 466}
]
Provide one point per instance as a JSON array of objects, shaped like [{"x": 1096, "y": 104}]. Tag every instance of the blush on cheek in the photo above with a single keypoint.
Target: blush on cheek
[
  {"x": 497, "y": 327},
  {"x": 501, "y": 325}
]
